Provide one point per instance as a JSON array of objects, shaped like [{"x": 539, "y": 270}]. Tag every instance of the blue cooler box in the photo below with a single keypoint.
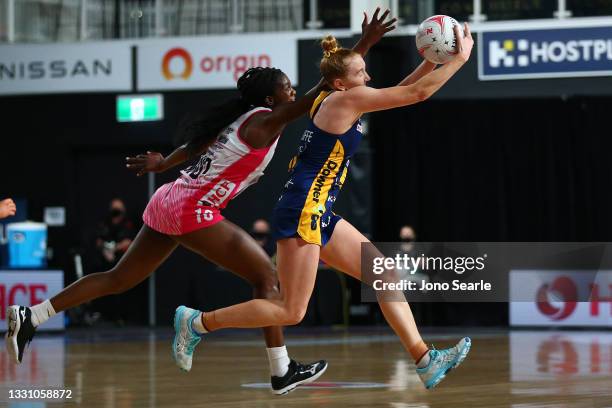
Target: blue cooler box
[{"x": 27, "y": 245}]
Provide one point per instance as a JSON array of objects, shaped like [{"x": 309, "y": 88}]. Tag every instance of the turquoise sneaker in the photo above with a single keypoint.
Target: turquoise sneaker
[
  {"x": 185, "y": 338},
  {"x": 442, "y": 361}
]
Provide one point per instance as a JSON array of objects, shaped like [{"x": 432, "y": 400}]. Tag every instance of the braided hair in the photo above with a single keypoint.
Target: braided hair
[{"x": 202, "y": 128}]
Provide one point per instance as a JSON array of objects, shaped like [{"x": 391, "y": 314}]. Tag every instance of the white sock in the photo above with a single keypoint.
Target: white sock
[
  {"x": 424, "y": 361},
  {"x": 42, "y": 312},
  {"x": 197, "y": 325},
  {"x": 279, "y": 360}
]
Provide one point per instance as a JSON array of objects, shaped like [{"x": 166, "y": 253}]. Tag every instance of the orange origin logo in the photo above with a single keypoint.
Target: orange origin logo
[{"x": 177, "y": 53}]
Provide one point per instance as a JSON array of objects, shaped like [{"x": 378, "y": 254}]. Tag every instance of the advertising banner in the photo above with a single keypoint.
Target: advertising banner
[
  {"x": 545, "y": 53},
  {"x": 214, "y": 62},
  {"x": 27, "y": 288},
  {"x": 561, "y": 298},
  {"x": 65, "y": 68}
]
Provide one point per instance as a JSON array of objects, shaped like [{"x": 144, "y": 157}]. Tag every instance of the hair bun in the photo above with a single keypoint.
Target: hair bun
[{"x": 329, "y": 45}]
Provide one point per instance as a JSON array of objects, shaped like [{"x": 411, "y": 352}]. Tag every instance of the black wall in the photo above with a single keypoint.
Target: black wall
[{"x": 521, "y": 170}]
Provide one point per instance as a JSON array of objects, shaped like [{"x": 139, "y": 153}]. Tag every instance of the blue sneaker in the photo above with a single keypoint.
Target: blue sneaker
[
  {"x": 442, "y": 361},
  {"x": 185, "y": 338}
]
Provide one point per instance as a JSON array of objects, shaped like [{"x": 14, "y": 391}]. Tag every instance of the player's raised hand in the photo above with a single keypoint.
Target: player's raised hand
[
  {"x": 374, "y": 30},
  {"x": 145, "y": 163},
  {"x": 465, "y": 42}
]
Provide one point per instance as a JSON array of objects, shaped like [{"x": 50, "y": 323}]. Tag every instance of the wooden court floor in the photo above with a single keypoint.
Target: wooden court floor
[{"x": 368, "y": 368}]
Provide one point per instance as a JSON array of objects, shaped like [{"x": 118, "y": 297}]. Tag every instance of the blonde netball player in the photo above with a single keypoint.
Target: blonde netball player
[{"x": 304, "y": 224}]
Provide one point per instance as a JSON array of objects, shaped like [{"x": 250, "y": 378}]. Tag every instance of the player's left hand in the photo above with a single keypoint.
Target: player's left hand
[
  {"x": 374, "y": 30},
  {"x": 145, "y": 163},
  {"x": 465, "y": 42}
]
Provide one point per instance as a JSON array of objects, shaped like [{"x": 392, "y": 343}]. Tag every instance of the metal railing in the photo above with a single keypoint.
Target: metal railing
[
  {"x": 3, "y": 21},
  {"x": 74, "y": 20}
]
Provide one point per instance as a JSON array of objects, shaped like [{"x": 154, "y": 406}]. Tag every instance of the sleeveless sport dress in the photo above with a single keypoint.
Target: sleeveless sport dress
[
  {"x": 316, "y": 175},
  {"x": 196, "y": 198}
]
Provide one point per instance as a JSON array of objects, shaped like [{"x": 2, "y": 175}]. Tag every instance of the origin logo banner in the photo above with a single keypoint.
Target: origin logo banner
[
  {"x": 214, "y": 62},
  {"x": 545, "y": 53},
  {"x": 64, "y": 68}
]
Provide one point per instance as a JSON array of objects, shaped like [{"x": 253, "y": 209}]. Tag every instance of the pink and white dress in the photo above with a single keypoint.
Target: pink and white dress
[{"x": 196, "y": 198}]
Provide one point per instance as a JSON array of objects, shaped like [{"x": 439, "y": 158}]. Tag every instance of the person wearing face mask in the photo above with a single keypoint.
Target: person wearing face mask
[
  {"x": 407, "y": 237},
  {"x": 115, "y": 234},
  {"x": 114, "y": 237}
]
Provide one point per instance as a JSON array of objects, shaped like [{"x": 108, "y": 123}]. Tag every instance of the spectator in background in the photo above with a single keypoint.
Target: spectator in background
[
  {"x": 114, "y": 237},
  {"x": 261, "y": 233},
  {"x": 7, "y": 208},
  {"x": 115, "y": 234},
  {"x": 407, "y": 237}
]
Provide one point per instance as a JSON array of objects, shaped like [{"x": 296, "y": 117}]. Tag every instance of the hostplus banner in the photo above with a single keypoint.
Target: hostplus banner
[{"x": 545, "y": 53}]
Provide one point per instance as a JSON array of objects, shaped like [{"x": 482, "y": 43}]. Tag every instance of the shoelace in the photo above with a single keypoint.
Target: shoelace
[
  {"x": 446, "y": 356},
  {"x": 186, "y": 343}
]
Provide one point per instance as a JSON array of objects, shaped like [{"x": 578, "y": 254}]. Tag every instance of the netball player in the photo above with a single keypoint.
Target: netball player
[
  {"x": 304, "y": 225},
  {"x": 235, "y": 142}
]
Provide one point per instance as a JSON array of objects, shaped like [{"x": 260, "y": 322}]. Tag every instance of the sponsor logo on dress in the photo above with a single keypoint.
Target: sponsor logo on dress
[
  {"x": 330, "y": 166},
  {"x": 218, "y": 194}
]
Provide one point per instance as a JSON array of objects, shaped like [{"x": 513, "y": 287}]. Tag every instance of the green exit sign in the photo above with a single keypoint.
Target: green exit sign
[{"x": 139, "y": 108}]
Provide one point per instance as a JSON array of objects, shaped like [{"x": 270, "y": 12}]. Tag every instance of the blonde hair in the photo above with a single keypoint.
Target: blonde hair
[{"x": 332, "y": 64}]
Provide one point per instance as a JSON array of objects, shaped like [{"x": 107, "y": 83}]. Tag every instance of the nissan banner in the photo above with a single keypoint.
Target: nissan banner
[{"x": 63, "y": 68}]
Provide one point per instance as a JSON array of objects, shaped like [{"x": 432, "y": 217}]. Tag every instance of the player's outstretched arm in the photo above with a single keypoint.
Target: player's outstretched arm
[
  {"x": 373, "y": 31},
  {"x": 364, "y": 99},
  {"x": 154, "y": 162}
]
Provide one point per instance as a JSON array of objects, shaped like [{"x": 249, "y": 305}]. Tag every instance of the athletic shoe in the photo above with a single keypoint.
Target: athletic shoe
[
  {"x": 442, "y": 361},
  {"x": 185, "y": 338},
  {"x": 296, "y": 375},
  {"x": 20, "y": 331}
]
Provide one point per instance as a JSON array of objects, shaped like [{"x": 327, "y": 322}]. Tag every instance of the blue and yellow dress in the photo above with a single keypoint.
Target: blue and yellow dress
[{"x": 316, "y": 175}]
